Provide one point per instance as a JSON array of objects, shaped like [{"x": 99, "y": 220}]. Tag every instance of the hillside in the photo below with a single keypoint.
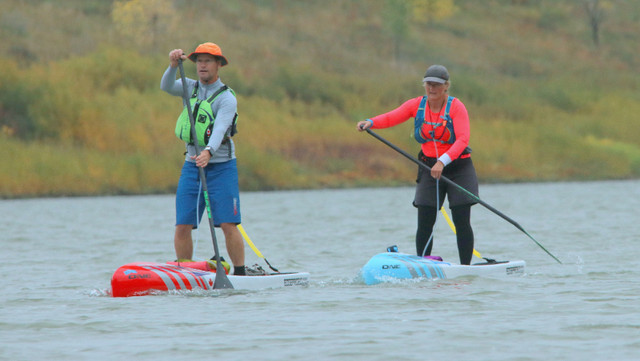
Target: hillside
[{"x": 81, "y": 111}]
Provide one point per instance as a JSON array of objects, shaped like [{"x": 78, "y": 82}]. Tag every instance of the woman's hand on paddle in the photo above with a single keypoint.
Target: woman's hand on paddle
[
  {"x": 363, "y": 125},
  {"x": 436, "y": 170},
  {"x": 175, "y": 55}
]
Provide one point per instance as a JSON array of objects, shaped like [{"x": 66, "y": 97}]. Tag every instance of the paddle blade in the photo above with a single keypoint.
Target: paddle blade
[{"x": 222, "y": 281}]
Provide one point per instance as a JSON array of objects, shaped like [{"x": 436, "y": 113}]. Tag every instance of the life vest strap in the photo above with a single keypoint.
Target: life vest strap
[
  {"x": 183, "y": 124},
  {"x": 420, "y": 121}
]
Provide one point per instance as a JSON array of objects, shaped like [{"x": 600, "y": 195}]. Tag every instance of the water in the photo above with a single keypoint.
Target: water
[{"x": 58, "y": 256}]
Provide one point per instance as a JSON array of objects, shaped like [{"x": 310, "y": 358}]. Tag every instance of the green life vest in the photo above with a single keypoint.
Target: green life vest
[{"x": 204, "y": 118}]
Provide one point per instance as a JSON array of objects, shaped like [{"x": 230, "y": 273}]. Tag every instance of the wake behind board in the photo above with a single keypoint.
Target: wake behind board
[
  {"x": 390, "y": 266},
  {"x": 144, "y": 278}
]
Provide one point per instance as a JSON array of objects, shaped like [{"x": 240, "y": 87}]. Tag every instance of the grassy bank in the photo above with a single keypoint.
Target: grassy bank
[{"x": 82, "y": 113}]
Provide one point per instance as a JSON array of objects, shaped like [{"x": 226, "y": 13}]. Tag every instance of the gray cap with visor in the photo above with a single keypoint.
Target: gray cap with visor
[{"x": 437, "y": 74}]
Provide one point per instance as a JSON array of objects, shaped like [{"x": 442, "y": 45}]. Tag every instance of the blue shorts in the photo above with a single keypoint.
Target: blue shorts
[{"x": 222, "y": 183}]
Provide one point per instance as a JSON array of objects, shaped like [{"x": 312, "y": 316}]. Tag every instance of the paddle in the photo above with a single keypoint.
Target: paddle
[
  {"x": 221, "y": 280},
  {"x": 254, "y": 248},
  {"x": 473, "y": 196},
  {"x": 453, "y": 228}
]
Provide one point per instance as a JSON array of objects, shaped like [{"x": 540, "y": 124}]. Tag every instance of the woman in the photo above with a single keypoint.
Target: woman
[{"x": 441, "y": 125}]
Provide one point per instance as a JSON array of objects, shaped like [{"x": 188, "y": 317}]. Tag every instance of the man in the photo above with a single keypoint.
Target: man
[{"x": 214, "y": 109}]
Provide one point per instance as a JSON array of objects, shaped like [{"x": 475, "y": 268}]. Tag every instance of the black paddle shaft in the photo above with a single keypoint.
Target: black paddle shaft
[
  {"x": 221, "y": 280},
  {"x": 471, "y": 195}
]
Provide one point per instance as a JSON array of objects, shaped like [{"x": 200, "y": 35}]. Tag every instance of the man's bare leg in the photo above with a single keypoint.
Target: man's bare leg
[
  {"x": 234, "y": 243},
  {"x": 183, "y": 242}
]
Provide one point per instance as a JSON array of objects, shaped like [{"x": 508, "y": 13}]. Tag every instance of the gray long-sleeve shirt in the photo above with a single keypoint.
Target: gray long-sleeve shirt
[{"x": 224, "y": 109}]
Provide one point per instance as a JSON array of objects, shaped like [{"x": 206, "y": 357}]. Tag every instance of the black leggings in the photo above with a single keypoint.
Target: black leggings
[{"x": 464, "y": 234}]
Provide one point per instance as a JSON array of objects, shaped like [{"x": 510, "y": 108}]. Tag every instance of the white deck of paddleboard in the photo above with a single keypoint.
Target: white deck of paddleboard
[{"x": 268, "y": 281}]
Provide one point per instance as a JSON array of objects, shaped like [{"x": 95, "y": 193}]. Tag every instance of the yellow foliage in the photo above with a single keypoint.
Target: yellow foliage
[
  {"x": 425, "y": 10},
  {"x": 143, "y": 21}
]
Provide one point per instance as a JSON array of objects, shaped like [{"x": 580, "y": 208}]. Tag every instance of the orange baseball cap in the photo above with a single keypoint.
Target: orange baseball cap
[{"x": 208, "y": 48}]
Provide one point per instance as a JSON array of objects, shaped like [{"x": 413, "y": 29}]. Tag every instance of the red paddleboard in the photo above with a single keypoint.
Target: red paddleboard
[
  {"x": 137, "y": 279},
  {"x": 144, "y": 278}
]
